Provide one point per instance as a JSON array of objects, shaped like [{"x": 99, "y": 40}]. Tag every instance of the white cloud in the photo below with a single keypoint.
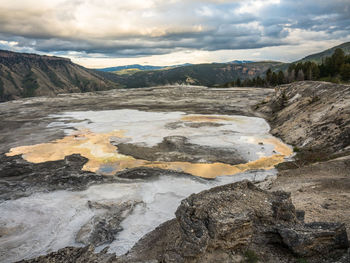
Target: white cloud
[
  {"x": 171, "y": 31},
  {"x": 254, "y": 6}
]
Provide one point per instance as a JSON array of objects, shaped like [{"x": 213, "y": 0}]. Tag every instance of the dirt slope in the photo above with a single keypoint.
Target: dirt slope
[{"x": 314, "y": 115}]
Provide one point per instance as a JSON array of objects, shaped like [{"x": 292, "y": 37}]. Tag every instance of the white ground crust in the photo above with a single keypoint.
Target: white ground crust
[
  {"x": 46, "y": 222},
  {"x": 149, "y": 128}
]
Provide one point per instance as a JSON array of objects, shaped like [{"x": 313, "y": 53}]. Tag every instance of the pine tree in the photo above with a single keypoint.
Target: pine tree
[
  {"x": 345, "y": 72},
  {"x": 338, "y": 59},
  {"x": 274, "y": 79},
  {"x": 238, "y": 82},
  {"x": 268, "y": 76},
  {"x": 315, "y": 71},
  {"x": 300, "y": 76},
  {"x": 280, "y": 78}
]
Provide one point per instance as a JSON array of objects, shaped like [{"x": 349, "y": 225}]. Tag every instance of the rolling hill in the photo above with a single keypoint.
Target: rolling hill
[
  {"x": 209, "y": 74},
  {"x": 201, "y": 74},
  {"x": 317, "y": 57},
  {"x": 327, "y": 53},
  {"x": 135, "y": 66},
  {"x": 27, "y": 75}
]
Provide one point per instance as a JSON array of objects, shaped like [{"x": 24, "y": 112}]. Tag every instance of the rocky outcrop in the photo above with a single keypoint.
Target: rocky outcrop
[
  {"x": 229, "y": 220},
  {"x": 101, "y": 229},
  {"x": 311, "y": 115},
  {"x": 314, "y": 239}
]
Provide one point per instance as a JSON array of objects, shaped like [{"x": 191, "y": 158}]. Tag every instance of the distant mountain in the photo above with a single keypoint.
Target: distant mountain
[
  {"x": 199, "y": 74},
  {"x": 240, "y": 62},
  {"x": 135, "y": 66},
  {"x": 139, "y": 67},
  {"x": 27, "y": 75},
  {"x": 327, "y": 53}
]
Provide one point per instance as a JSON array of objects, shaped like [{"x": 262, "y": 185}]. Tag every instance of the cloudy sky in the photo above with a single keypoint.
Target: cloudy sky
[{"x": 100, "y": 33}]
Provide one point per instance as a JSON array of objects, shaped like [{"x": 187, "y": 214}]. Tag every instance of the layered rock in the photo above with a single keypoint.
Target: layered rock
[
  {"x": 229, "y": 220},
  {"x": 314, "y": 239}
]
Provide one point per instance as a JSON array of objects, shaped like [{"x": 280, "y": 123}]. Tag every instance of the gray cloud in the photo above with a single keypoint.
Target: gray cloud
[{"x": 150, "y": 27}]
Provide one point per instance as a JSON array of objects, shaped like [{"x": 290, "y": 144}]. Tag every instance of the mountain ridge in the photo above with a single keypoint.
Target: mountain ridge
[
  {"x": 207, "y": 74},
  {"x": 140, "y": 67},
  {"x": 317, "y": 57},
  {"x": 28, "y": 75}
]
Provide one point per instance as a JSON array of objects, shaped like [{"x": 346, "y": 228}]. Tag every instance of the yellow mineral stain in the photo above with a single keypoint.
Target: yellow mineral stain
[
  {"x": 206, "y": 118},
  {"x": 212, "y": 170},
  {"x": 279, "y": 146},
  {"x": 96, "y": 147}
]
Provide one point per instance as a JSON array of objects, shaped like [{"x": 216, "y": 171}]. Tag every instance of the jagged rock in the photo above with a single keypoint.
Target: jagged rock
[
  {"x": 315, "y": 238},
  {"x": 226, "y": 221},
  {"x": 101, "y": 229},
  {"x": 226, "y": 217}
]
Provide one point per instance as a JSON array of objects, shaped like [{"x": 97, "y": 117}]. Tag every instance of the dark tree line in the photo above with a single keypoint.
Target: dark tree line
[
  {"x": 30, "y": 84},
  {"x": 334, "y": 69}
]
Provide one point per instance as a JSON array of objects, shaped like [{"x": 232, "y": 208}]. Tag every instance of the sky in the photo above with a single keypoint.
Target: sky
[{"x": 105, "y": 33}]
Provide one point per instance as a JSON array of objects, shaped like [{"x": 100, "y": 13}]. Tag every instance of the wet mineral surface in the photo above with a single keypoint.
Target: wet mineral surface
[{"x": 146, "y": 147}]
